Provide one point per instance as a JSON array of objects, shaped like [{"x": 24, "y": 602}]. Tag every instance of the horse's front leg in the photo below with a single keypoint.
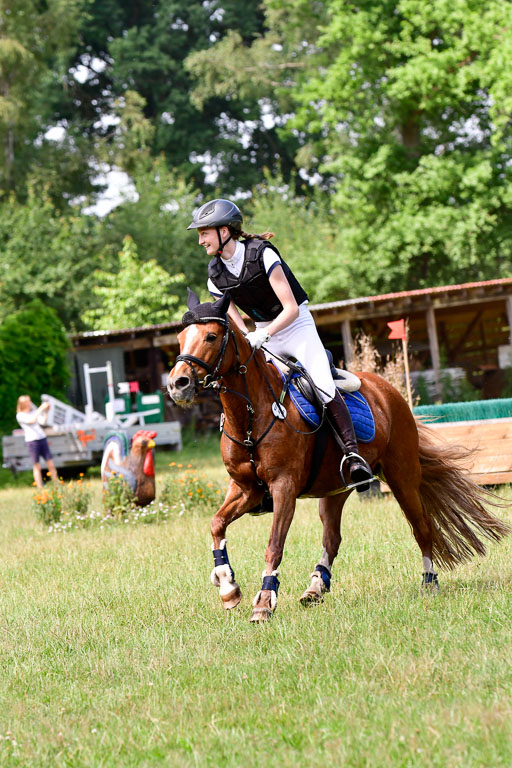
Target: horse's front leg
[
  {"x": 236, "y": 503},
  {"x": 330, "y": 509},
  {"x": 265, "y": 602}
]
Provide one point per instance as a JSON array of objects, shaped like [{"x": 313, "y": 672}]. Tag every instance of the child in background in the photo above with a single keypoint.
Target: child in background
[{"x": 30, "y": 419}]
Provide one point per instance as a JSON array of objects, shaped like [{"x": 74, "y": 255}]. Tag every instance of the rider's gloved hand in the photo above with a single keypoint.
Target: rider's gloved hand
[{"x": 257, "y": 338}]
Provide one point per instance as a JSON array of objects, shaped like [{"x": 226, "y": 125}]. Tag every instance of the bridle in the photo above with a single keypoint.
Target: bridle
[{"x": 213, "y": 373}]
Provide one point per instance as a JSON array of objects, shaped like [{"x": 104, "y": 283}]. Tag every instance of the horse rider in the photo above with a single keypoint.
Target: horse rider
[{"x": 263, "y": 286}]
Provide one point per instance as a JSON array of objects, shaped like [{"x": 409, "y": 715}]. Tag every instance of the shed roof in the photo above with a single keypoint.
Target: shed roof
[{"x": 319, "y": 309}]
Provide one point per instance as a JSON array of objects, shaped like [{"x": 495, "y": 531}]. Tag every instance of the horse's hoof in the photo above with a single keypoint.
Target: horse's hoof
[
  {"x": 429, "y": 584},
  {"x": 232, "y": 598},
  {"x": 260, "y": 615},
  {"x": 310, "y": 597}
]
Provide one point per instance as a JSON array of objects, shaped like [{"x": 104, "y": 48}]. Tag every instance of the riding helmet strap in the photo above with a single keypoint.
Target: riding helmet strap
[
  {"x": 325, "y": 575},
  {"x": 271, "y": 582},
  {"x": 222, "y": 245}
]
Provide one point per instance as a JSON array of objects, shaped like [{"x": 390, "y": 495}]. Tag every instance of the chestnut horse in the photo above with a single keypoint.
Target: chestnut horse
[{"x": 444, "y": 507}]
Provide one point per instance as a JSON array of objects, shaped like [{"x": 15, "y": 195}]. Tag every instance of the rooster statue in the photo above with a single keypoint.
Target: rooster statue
[{"x": 135, "y": 465}]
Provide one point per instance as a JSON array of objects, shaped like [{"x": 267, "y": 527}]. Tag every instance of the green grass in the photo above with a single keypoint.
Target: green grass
[{"x": 115, "y": 650}]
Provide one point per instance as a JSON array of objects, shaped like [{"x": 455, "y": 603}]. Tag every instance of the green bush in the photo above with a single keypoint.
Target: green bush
[
  {"x": 190, "y": 490},
  {"x": 33, "y": 359},
  {"x": 118, "y": 497}
]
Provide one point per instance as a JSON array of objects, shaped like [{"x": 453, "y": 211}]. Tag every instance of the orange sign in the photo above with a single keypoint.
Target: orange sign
[{"x": 85, "y": 437}]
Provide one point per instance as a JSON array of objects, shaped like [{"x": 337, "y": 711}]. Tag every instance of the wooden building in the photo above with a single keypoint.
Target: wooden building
[{"x": 466, "y": 326}]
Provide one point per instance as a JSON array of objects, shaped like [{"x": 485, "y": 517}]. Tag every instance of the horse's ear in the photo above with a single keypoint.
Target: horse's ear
[
  {"x": 192, "y": 299},
  {"x": 222, "y": 304}
]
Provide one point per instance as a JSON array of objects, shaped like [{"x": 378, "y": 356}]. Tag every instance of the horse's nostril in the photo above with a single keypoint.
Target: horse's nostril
[{"x": 182, "y": 382}]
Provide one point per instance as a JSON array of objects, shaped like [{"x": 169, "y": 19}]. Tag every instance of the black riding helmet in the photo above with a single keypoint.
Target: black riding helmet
[{"x": 218, "y": 213}]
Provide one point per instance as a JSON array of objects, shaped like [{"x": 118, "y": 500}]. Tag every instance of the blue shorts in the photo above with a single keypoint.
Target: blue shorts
[{"x": 39, "y": 449}]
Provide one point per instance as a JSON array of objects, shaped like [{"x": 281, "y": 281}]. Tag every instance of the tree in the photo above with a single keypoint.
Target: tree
[
  {"x": 46, "y": 254},
  {"x": 305, "y": 234},
  {"x": 142, "y": 46},
  {"x": 36, "y": 44},
  {"x": 402, "y": 113},
  {"x": 139, "y": 293},
  {"x": 161, "y": 204},
  {"x": 414, "y": 108},
  {"x": 33, "y": 358}
]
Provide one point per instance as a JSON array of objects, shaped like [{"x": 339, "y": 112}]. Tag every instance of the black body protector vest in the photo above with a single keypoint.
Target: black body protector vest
[{"x": 251, "y": 290}]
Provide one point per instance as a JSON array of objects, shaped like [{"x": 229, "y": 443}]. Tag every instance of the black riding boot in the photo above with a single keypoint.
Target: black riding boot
[{"x": 358, "y": 468}]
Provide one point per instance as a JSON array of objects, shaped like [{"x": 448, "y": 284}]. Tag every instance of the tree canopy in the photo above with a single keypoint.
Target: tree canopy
[{"x": 374, "y": 138}]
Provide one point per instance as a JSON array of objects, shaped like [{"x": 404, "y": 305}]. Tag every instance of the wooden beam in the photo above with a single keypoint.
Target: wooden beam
[
  {"x": 465, "y": 336},
  {"x": 168, "y": 339}
]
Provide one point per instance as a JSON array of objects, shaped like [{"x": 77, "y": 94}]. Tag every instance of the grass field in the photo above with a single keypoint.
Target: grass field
[{"x": 115, "y": 650}]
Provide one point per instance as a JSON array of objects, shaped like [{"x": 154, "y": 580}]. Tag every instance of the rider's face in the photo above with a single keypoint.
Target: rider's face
[{"x": 209, "y": 238}]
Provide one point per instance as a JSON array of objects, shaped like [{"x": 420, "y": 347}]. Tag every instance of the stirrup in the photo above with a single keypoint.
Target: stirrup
[{"x": 366, "y": 482}]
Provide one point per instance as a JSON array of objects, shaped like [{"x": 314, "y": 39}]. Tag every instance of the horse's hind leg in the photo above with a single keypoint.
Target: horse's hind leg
[
  {"x": 330, "y": 509},
  {"x": 405, "y": 484}
]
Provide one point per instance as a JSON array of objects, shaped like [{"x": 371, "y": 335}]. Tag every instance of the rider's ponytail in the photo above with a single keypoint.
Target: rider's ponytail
[{"x": 246, "y": 236}]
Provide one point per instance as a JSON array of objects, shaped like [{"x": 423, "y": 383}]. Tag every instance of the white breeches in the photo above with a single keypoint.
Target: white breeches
[{"x": 301, "y": 340}]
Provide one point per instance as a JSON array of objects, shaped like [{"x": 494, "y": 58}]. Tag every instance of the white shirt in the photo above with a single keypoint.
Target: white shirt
[
  {"x": 31, "y": 431},
  {"x": 236, "y": 262}
]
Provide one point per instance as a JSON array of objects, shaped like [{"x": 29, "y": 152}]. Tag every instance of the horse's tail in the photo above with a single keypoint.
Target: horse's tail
[{"x": 454, "y": 502}]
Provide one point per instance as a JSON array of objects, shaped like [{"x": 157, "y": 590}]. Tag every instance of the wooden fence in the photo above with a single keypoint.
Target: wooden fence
[{"x": 491, "y": 464}]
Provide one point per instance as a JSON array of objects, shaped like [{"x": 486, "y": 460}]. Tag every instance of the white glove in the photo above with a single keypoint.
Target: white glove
[{"x": 258, "y": 337}]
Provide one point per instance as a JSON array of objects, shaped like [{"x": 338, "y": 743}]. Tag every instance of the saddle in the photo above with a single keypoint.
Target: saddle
[{"x": 307, "y": 401}]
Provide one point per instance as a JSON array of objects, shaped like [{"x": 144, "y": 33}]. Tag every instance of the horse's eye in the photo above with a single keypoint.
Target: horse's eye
[{"x": 211, "y": 336}]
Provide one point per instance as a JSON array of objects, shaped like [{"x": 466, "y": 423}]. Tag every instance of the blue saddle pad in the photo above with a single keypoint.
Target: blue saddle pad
[{"x": 357, "y": 404}]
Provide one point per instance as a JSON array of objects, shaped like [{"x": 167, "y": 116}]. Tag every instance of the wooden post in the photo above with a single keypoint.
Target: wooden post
[
  {"x": 508, "y": 302},
  {"x": 406, "y": 364},
  {"x": 434, "y": 348},
  {"x": 348, "y": 347}
]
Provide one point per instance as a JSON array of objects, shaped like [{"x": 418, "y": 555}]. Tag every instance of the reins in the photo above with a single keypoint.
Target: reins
[{"x": 214, "y": 376}]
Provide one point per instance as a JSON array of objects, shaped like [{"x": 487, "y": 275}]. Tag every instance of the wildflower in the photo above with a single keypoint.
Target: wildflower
[
  {"x": 172, "y": 464},
  {"x": 180, "y": 465}
]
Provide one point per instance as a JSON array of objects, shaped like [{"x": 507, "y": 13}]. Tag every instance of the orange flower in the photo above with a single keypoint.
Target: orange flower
[{"x": 172, "y": 464}]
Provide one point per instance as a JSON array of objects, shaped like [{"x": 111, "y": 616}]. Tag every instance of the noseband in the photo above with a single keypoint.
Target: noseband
[{"x": 213, "y": 373}]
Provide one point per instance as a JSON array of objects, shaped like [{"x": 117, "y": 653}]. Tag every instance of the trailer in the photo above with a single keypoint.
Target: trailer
[{"x": 76, "y": 439}]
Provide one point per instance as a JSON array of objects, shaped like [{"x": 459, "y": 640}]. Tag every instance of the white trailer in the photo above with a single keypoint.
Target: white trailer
[{"x": 76, "y": 439}]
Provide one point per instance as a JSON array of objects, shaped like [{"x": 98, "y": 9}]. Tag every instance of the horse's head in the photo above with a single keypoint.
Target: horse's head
[{"x": 203, "y": 348}]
